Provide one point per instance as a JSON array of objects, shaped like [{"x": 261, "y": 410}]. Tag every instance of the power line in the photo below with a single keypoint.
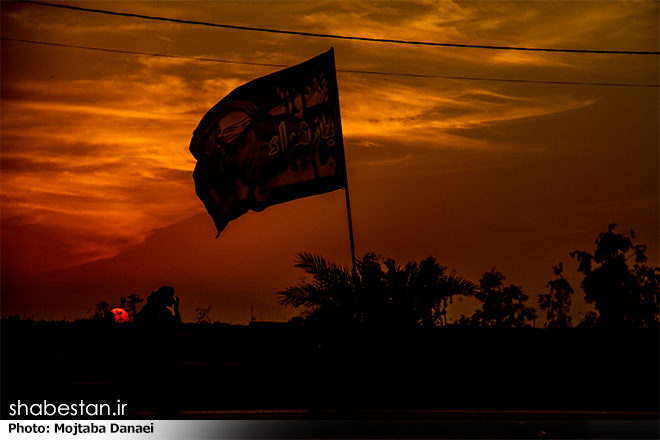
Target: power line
[
  {"x": 150, "y": 54},
  {"x": 340, "y": 37},
  {"x": 471, "y": 78},
  {"x": 363, "y": 72}
]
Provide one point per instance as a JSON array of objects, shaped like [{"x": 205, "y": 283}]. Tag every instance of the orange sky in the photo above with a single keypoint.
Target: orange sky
[{"x": 98, "y": 200}]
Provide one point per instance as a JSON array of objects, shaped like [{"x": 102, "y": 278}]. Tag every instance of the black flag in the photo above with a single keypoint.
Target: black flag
[{"x": 269, "y": 141}]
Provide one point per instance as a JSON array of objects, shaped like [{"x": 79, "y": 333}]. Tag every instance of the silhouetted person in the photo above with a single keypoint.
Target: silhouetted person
[
  {"x": 156, "y": 311},
  {"x": 157, "y": 325}
]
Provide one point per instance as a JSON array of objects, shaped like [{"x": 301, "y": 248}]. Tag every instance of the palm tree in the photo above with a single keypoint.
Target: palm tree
[
  {"x": 415, "y": 294},
  {"x": 364, "y": 321},
  {"x": 331, "y": 287},
  {"x": 425, "y": 290}
]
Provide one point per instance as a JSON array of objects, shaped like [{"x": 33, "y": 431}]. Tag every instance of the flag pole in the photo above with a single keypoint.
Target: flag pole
[
  {"x": 348, "y": 200},
  {"x": 350, "y": 228}
]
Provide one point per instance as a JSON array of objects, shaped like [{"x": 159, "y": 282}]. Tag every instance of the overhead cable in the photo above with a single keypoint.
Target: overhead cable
[
  {"x": 340, "y": 37},
  {"x": 364, "y": 72},
  {"x": 149, "y": 54}
]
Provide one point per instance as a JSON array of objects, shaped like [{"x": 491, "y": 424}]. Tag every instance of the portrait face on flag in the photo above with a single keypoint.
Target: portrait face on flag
[{"x": 272, "y": 140}]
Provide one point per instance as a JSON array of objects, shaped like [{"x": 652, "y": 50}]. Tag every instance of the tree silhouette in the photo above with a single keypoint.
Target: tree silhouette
[
  {"x": 130, "y": 304},
  {"x": 502, "y": 306},
  {"x": 379, "y": 294},
  {"x": 557, "y": 303},
  {"x": 588, "y": 320},
  {"x": 421, "y": 292},
  {"x": 330, "y": 294},
  {"x": 101, "y": 312},
  {"x": 623, "y": 296},
  {"x": 363, "y": 320}
]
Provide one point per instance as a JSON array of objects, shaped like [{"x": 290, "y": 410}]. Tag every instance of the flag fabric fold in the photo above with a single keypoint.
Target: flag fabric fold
[{"x": 271, "y": 140}]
